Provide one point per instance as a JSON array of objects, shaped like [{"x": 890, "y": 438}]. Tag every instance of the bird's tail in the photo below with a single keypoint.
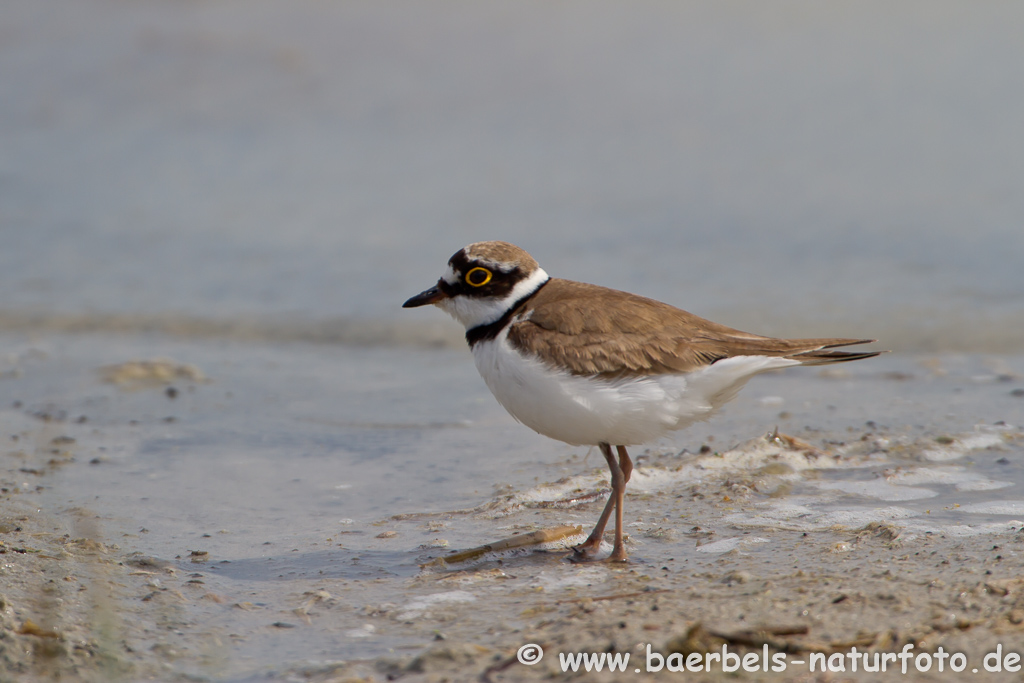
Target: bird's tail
[{"x": 819, "y": 351}]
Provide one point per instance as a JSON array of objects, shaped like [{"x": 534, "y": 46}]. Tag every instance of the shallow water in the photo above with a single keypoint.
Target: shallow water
[
  {"x": 295, "y": 169},
  {"x": 299, "y": 469}
]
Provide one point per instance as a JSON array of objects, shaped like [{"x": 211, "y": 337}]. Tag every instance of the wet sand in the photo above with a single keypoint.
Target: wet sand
[{"x": 214, "y": 516}]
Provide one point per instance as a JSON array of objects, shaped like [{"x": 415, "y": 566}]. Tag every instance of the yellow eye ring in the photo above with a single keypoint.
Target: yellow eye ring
[{"x": 478, "y": 277}]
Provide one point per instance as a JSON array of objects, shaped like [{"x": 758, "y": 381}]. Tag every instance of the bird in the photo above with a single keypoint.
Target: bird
[{"x": 589, "y": 365}]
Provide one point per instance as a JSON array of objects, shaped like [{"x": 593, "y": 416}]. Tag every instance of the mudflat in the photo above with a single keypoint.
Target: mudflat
[{"x": 202, "y": 513}]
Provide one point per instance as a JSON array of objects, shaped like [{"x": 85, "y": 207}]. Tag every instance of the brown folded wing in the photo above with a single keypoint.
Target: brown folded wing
[{"x": 593, "y": 330}]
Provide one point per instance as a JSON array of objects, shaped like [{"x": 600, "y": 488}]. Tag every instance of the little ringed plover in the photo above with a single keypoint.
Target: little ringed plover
[{"x": 589, "y": 365}]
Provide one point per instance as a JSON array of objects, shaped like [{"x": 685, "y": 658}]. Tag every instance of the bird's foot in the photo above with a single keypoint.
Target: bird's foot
[
  {"x": 618, "y": 555},
  {"x": 588, "y": 552}
]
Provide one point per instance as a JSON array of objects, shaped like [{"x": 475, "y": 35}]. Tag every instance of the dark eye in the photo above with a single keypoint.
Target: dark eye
[{"x": 478, "y": 277}]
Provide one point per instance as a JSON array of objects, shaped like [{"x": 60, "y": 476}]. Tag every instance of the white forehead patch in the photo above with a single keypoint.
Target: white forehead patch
[
  {"x": 452, "y": 277},
  {"x": 497, "y": 266}
]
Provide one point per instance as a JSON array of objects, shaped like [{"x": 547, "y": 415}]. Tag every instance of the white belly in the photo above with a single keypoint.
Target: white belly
[{"x": 585, "y": 411}]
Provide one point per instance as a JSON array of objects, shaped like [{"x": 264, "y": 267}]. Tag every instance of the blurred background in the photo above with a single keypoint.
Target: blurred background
[
  {"x": 297, "y": 169},
  {"x": 249, "y": 190}
]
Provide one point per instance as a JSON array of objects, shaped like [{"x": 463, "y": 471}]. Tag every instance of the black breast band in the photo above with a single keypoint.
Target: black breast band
[{"x": 491, "y": 330}]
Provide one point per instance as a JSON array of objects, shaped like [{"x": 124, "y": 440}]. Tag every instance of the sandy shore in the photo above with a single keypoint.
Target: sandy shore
[
  {"x": 777, "y": 545},
  {"x": 76, "y": 606}
]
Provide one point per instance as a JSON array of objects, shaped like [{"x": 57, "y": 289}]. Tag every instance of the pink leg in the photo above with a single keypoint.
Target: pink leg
[
  {"x": 625, "y": 468},
  {"x": 625, "y": 464},
  {"x": 584, "y": 552}
]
